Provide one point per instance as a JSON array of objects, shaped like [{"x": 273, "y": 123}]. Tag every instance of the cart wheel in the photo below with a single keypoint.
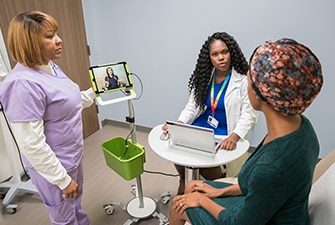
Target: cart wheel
[
  {"x": 109, "y": 209},
  {"x": 134, "y": 189},
  {"x": 165, "y": 200},
  {"x": 11, "y": 210},
  {"x": 163, "y": 223}
]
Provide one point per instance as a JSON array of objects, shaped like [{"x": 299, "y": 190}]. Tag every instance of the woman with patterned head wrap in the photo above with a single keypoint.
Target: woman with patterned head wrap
[{"x": 273, "y": 186}]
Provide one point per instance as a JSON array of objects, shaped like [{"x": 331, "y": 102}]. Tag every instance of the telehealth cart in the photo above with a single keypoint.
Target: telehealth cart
[{"x": 126, "y": 158}]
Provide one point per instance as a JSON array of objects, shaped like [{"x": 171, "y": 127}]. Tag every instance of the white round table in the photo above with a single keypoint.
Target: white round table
[{"x": 192, "y": 161}]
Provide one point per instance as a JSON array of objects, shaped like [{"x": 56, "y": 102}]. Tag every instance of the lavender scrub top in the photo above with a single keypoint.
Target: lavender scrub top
[{"x": 28, "y": 95}]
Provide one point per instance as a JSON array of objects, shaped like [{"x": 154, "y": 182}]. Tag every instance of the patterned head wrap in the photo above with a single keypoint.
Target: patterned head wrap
[{"x": 286, "y": 75}]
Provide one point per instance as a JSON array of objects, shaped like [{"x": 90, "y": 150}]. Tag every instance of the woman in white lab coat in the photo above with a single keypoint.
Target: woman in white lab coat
[{"x": 219, "y": 99}]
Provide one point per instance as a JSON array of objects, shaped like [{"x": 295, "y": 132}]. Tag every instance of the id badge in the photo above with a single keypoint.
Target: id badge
[{"x": 212, "y": 121}]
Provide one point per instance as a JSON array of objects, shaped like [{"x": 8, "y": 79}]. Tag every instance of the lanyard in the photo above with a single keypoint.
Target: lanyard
[{"x": 215, "y": 104}]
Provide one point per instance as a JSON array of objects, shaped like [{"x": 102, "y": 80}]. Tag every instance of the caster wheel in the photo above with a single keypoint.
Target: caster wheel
[
  {"x": 165, "y": 200},
  {"x": 11, "y": 210},
  {"x": 134, "y": 189},
  {"x": 109, "y": 209}
]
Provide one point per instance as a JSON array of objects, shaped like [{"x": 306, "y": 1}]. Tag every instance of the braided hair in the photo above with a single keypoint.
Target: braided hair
[{"x": 200, "y": 79}]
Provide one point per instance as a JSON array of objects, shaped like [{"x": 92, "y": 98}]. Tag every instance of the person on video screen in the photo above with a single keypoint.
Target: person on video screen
[{"x": 111, "y": 80}]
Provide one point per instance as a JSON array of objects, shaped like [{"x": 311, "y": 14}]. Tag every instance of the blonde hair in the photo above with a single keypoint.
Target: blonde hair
[{"x": 23, "y": 37}]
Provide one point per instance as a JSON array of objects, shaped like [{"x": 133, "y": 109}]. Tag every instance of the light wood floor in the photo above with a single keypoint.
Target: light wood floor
[{"x": 102, "y": 185}]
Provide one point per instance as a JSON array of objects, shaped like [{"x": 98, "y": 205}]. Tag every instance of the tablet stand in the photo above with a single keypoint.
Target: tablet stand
[
  {"x": 140, "y": 207},
  {"x": 15, "y": 184}
]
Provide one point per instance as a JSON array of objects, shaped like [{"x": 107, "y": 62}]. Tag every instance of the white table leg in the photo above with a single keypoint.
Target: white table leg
[{"x": 191, "y": 174}]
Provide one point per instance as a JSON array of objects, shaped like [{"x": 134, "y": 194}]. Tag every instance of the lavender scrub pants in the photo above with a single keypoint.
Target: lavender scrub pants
[{"x": 62, "y": 211}]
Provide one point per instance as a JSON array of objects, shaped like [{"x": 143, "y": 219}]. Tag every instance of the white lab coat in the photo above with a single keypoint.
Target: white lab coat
[{"x": 240, "y": 114}]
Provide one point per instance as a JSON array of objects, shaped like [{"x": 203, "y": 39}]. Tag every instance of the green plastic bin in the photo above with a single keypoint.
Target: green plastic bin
[{"x": 128, "y": 163}]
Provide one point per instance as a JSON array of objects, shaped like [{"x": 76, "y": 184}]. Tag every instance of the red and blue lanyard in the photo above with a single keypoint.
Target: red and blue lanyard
[{"x": 215, "y": 104}]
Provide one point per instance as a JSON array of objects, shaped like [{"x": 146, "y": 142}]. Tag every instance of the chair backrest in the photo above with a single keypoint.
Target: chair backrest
[
  {"x": 323, "y": 165},
  {"x": 322, "y": 196}
]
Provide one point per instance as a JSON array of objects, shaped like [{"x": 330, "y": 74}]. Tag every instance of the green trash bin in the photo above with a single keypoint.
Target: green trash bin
[{"x": 125, "y": 161}]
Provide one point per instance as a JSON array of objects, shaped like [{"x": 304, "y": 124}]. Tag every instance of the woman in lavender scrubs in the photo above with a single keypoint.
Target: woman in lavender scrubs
[{"x": 44, "y": 108}]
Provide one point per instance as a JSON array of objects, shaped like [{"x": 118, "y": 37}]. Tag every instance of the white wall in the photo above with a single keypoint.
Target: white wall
[{"x": 161, "y": 40}]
